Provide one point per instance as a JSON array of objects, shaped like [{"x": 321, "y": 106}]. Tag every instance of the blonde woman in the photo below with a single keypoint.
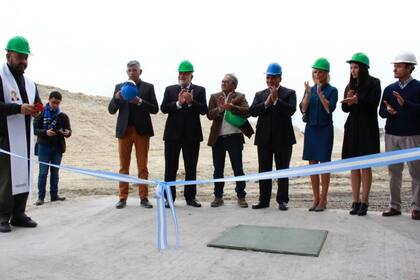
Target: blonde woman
[{"x": 318, "y": 104}]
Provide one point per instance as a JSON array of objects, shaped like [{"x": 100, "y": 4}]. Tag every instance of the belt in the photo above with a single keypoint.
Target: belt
[{"x": 229, "y": 135}]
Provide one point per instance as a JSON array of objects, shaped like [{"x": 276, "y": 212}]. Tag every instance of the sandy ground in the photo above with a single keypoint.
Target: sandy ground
[
  {"x": 90, "y": 239},
  {"x": 94, "y": 146}
]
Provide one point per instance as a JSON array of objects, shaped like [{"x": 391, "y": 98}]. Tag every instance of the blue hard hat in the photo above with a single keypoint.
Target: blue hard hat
[
  {"x": 273, "y": 69},
  {"x": 129, "y": 90}
]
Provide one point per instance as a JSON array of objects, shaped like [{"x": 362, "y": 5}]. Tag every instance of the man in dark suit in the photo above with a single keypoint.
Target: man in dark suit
[
  {"x": 134, "y": 127},
  {"x": 184, "y": 103},
  {"x": 226, "y": 135},
  {"x": 274, "y": 108}
]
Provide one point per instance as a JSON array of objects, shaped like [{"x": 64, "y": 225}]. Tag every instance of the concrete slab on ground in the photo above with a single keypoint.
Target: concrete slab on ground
[{"x": 90, "y": 239}]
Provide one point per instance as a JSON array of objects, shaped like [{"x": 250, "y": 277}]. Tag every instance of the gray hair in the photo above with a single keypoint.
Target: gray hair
[
  {"x": 233, "y": 79},
  {"x": 134, "y": 63}
]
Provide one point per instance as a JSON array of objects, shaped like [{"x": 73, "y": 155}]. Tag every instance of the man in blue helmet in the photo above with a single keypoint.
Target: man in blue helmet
[
  {"x": 274, "y": 107},
  {"x": 18, "y": 94},
  {"x": 134, "y": 127}
]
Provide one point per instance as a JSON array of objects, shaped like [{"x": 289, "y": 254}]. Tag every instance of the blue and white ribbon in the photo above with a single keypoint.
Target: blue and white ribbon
[{"x": 162, "y": 188}]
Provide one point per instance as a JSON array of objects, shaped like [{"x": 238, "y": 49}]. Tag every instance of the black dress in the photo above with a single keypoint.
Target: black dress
[{"x": 361, "y": 130}]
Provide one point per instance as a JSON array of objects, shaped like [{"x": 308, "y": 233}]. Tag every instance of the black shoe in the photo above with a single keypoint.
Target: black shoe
[
  {"x": 23, "y": 222},
  {"x": 145, "y": 203},
  {"x": 354, "y": 208},
  {"x": 121, "y": 204},
  {"x": 58, "y": 198},
  {"x": 39, "y": 202},
  {"x": 283, "y": 206},
  {"x": 5, "y": 227},
  {"x": 363, "y": 209},
  {"x": 193, "y": 203},
  {"x": 260, "y": 205}
]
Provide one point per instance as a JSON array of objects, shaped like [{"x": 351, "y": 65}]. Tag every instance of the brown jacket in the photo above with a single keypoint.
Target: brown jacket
[{"x": 241, "y": 108}]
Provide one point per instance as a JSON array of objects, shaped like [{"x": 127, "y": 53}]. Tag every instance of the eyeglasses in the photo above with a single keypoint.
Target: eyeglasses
[{"x": 225, "y": 81}]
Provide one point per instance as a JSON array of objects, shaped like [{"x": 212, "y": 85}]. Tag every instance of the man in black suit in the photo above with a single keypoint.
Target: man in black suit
[
  {"x": 274, "y": 108},
  {"x": 134, "y": 127},
  {"x": 184, "y": 103}
]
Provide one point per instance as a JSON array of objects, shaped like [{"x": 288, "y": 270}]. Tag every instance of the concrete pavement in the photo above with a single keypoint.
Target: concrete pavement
[{"x": 90, "y": 239}]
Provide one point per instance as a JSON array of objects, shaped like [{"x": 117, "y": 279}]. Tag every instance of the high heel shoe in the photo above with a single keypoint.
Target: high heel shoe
[
  {"x": 363, "y": 209},
  {"x": 321, "y": 207},
  {"x": 354, "y": 208},
  {"x": 313, "y": 207}
]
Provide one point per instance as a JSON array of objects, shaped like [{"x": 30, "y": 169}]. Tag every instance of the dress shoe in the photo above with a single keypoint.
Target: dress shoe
[
  {"x": 283, "y": 206},
  {"x": 26, "y": 222},
  {"x": 242, "y": 202},
  {"x": 388, "y": 212},
  {"x": 193, "y": 203},
  {"x": 218, "y": 201},
  {"x": 58, "y": 198},
  {"x": 362, "y": 209},
  {"x": 354, "y": 208},
  {"x": 415, "y": 215},
  {"x": 145, "y": 203},
  {"x": 5, "y": 227},
  {"x": 121, "y": 204},
  {"x": 260, "y": 205},
  {"x": 39, "y": 202}
]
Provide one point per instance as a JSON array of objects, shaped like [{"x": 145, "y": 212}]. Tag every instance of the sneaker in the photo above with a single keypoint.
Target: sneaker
[
  {"x": 218, "y": 201},
  {"x": 39, "y": 202},
  {"x": 242, "y": 202},
  {"x": 145, "y": 203},
  {"x": 121, "y": 204}
]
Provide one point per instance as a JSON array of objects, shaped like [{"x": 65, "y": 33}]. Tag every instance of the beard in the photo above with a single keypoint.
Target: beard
[
  {"x": 183, "y": 82},
  {"x": 18, "y": 68}
]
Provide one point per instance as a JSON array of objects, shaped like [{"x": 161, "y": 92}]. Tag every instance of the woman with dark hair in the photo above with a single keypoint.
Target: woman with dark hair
[
  {"x": 361, "y": 131},
  {"x": 318, "y": 104}
]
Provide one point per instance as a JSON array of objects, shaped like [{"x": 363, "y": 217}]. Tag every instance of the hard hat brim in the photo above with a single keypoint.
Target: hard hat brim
[{"x": 359, "y": 62}]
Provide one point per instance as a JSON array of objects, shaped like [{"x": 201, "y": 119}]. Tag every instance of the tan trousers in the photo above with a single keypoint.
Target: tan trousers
[{"x": 125, "y": 146}]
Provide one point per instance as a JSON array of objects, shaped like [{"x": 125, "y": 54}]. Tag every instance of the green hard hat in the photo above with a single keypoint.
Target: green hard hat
[
  {"x": 322, "y": 64},
  {"x": 359, "y": 58},
  {"x": 18, "y": 44},
  {"x": 235, "y": 120},
  {"x": 185, "y": 66}
]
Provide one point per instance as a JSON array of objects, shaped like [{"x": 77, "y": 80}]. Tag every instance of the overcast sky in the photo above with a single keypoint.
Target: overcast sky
[{"x": 83, "y": 46}]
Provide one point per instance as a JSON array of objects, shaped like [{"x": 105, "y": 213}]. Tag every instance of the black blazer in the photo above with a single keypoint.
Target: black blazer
[
  {"x": 274, "y": 126},
  {"x": 143, "y": 122},
  {"x": 183, "y": 124}
]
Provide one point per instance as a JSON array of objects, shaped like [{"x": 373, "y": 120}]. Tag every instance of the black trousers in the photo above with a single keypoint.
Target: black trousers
[
  {"x": 10, "y": 205},
  {"x": 282, "y": 156},
  {"x": 232, "y": 144},
  {"x": 190, "y": 151}
]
